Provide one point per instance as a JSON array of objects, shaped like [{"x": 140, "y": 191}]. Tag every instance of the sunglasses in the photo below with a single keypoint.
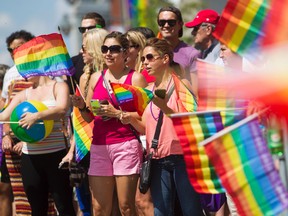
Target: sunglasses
[
  {"x": 150, "y": 57},
  {"x": 83, "y": 29},
  {"x": 134, "y": 46},
  {"x": 113, "y": 49},
  {"x": 171, "y": 22},
  {"x": 196, "y": 28},
  {"x": 10, "y": 49}
]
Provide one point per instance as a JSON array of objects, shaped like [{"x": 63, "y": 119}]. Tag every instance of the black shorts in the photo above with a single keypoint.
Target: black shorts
[{"x": 5, "y": 178}]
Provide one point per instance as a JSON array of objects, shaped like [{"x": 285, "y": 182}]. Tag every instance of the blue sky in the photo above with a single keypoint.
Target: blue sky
[{"x": 36, "y": 16}]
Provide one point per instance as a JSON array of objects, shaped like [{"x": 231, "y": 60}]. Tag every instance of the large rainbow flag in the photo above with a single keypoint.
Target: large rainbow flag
[
  {"x": 187, "y": 100},
  {"x": 246, "y": 169},
  {"x": 192, "y": 128},
  {"x": 138, "y": 12},
  {"x": 214, "y": 96},
  {"x": 140, "y": 96},
  {"x": 241, "y": 24},
  {"x": 45, "y": 55},
  {"x": 83, "y": 132}
]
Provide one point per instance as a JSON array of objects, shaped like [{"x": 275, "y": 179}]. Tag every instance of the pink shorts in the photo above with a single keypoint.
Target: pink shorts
[{"x": 116, "y": 159}]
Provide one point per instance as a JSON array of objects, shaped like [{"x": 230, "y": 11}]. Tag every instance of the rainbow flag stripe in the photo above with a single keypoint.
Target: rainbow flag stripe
[
  {"x": 140, "y": 96},
  {"x": 138, "y": 12},
  {"x": 241, "y": 24},
  {"x": 275, "y": 30},
  {"x": 191, "y": 129},
  {"x": 45, "y": 55},
  {"x": 122, "y": 94},
  {"x": 243, "y": 163},
  {"x": 187, "y": 101},
  {"x": 83, "y": 133},
  {"x": 213, "y": 95}
]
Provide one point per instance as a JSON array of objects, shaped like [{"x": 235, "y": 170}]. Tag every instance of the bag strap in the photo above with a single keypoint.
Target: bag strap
[{"x": 155, "y": 140}]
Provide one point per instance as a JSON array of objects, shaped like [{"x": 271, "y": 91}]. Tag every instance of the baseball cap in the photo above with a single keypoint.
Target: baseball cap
[{"x": 207, "y": 16}]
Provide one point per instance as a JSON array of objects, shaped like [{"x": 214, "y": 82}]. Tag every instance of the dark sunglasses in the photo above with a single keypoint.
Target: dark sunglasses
[
  {"x": 113, "y": 49},
  {"x": 10, "y": 49},
  {"x": 83, "y": 29},
  {"x": 171, "y": 22},
  {"x": 150, "y": 57}
]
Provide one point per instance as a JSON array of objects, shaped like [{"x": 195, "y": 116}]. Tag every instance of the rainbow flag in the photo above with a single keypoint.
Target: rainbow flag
[
  {"x": 187, "y": 101},
  {"x": 214, "y": 96},
  {"x": 241, "y": 24},
  {"x": 138, "y": 12},
  {"x": 45, "y": 55},
  {"x": 140, "y": 96},
  {"x": 192, "y": 128},
  {"x": 246, "y": 169},
  {"x": 83, "y": 133},
  {"x": 275, "y": 28}
]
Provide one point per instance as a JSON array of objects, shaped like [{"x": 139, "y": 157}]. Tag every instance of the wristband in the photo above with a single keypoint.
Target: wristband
[{"x": 6, "y": 134}]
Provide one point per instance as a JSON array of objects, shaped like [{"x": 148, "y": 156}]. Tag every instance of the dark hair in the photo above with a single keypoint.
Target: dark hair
[
  {"x": 97, "y": 17},
  {"x": 161, "y": 46},
  {"x": 3, "y": 70},
  {"x": 120, "y": 37},
  {"x": 22, "y": 34},
  {"x": 147, "y": 32},
  {"x": 178, "y": 14}
]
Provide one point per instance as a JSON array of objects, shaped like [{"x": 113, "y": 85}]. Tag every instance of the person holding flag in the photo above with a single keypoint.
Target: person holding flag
[{"x": 168, "y": 172}]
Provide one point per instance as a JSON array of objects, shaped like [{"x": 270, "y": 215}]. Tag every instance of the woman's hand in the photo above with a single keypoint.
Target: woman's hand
[
  {"x": 68, "y": 157},
  {"x": 28, "y": 119},
  {"x": 125, "y": 117},
  {"x": 18, "y": 148},
  {"x": 78, "y": 101},
  {"x": 7, "y": 143},
  {"x": 162, "y": 104},
  {"x": 107, "y": 110}
]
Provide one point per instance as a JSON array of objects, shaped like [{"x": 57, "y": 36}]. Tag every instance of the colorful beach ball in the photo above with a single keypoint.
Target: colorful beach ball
[{"x": 36, "y": 132}]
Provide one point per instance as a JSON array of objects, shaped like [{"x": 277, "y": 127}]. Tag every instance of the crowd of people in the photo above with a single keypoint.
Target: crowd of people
[{"x": 31, "y": 182}]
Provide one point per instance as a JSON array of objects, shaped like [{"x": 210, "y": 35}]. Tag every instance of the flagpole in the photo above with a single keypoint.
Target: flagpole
[
  {"x": 283, "y": 160},
  {"x": 16, "y": 122},
  {"x": 174, "y": 115}
]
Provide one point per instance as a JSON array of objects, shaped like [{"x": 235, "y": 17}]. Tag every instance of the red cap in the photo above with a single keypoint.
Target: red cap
[{"x": 203, "y": 16}]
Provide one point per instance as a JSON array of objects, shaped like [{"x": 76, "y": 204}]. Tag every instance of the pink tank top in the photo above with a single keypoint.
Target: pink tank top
[{"x": 111, "y": 131}]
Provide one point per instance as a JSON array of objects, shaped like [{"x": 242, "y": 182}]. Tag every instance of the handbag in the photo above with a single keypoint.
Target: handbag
[
  {"x": 77, "y": 173},
  {"x": 145, "y": 171}
]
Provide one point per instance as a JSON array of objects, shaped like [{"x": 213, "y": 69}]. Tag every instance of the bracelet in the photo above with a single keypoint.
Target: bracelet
[{"x": 120, "y": 115}]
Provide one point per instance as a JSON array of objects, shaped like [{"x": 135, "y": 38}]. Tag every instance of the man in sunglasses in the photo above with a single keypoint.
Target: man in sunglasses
[
  {"x": 89, "y": 21},
  {"x": 203, "y": 26},
  {"x": 170, "y": 25}
]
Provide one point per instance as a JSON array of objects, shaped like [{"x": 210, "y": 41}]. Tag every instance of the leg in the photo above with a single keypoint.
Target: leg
[
  {"x": 162, "y": 188},
  {"x": 5, "y": 199},
  {"x": 102, "y": 189},
  {"x": 58, "y": 181},
  {"x": 126, "y": 190},
  {"x": 143, "y": 202},
  {"x": 188, "y": 197},
  {"x": 36, "y": 190},
  {"x": 84, "y": 198},
  {"x": 5, "y": 190}
]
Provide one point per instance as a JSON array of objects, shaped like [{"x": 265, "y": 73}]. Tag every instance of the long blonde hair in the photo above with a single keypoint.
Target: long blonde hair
[
  {"x": 93, "y": 40},
  {"x": 137, "y": 38}
]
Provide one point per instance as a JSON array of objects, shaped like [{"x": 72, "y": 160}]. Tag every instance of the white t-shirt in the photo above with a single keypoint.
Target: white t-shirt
[{"x": 10, "y": 75}]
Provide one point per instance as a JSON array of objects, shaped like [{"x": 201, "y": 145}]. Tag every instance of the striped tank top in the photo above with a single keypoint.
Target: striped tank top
[{"x": 52, "y": 143}]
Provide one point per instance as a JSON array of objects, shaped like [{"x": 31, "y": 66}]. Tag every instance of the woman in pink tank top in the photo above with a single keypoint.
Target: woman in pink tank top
[{"x": 116, "y": 154}]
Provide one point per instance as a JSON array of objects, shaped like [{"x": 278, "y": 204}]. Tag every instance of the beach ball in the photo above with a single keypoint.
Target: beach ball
[{"x": 37, "y": 132}]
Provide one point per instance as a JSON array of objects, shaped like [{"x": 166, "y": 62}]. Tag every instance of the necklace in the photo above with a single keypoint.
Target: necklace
[{"x": 151, "y": 103}]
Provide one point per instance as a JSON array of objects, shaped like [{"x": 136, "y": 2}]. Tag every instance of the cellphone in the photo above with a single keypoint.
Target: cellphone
[
  {"x": 63, "y": 165},
  {"x": 161, "y": 93},
  {"x": 95, "y": 104},
  {"x": 104, "y": 102}
]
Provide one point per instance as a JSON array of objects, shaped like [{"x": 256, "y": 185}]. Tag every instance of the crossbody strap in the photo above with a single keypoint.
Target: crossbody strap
[
  {"x": 155, "y": 139},
  {"x": 108, "y": 87}
]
